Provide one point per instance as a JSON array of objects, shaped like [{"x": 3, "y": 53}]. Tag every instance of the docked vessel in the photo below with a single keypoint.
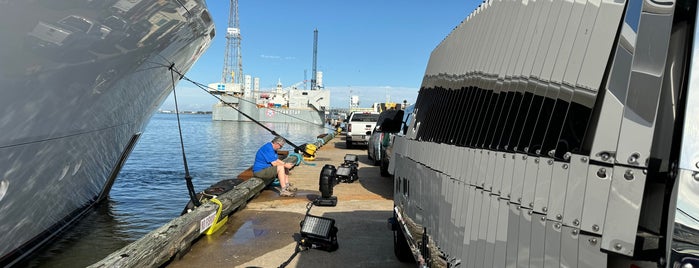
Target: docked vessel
[
  {"x": 555, "y": 134},
  {"x": 292, "y": 105},
  {"x": 240, "y": 98},
  {"x": 79, "y": 81}
]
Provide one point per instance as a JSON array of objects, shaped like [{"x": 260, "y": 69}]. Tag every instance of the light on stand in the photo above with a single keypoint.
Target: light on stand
[{"x": 326, "y": 183}]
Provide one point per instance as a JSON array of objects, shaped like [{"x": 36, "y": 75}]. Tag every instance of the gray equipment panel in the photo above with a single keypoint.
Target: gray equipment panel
[
  {"x": 525, "y": 229},
  {"x": 508, "y": 173},
  {"x": 518, "y": 178},
  {"x": 596, "y": 195},
  {"x": 590, "y": 255},
  {"x": 557, "y": 193},
  {"x": 644, "y": 87},
  {"x": 552, "y": 249},
  {"x": 623, "y": 210},
  {"x": 501, "y": 236},
  {"x": 492, "y": 229},
  {"x": 529, "y": 186},
  {"x": 575, "y": 193},
  {"x": 538, "y": 242},
  {"x": 512, "y": 234},
  {"x": 543, "y": 185},
  {"x": 569, "y": 246}
]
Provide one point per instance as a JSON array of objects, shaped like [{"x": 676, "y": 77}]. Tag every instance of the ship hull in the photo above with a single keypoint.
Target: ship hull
[
  {"x": 73, "y": 104},
  {"x": 223, "y": 112}
]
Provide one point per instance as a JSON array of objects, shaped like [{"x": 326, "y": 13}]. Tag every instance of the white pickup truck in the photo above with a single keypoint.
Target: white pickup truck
[{"x": 359, "y": 127}]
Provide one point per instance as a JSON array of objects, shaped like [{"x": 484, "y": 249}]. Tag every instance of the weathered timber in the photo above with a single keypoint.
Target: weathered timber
[
  {"x": 174, "y": 238},
  {"x": 164, "y": 243}
]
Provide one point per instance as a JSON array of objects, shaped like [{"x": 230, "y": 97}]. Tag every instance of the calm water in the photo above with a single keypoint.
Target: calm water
[{"x": 151, "y": 190}]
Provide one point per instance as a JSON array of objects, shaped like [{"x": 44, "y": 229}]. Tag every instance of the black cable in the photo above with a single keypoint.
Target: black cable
[
  {"x": 187, "y": 177},
  {"x": 299, "y": 244},
  {"x": 298, "y": 249}
]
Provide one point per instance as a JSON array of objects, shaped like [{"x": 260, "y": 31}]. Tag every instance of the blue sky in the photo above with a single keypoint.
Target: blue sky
[{"x": 371, "y": 48}]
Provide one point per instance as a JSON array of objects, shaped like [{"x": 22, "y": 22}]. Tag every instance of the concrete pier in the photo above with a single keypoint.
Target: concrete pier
[{"x": 265, "y": 231}]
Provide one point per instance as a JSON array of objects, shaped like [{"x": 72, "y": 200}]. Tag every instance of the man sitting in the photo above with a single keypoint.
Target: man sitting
[{"x": 268, "y": 166}]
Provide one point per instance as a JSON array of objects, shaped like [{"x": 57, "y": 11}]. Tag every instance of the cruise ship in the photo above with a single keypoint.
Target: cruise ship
[{"x": 79, "y": 81}]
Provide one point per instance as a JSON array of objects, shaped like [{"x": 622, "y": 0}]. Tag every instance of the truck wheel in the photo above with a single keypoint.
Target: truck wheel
[{"x": 401, "y": 248}]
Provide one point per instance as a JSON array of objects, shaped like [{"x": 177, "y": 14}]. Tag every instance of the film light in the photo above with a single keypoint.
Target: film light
[{"x": 319, "y": 233}]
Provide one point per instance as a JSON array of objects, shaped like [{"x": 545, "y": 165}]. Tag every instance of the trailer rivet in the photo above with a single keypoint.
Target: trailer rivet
[
  {"x": 536, "y": 160},
  {"x": 629, "y": 175},
  {"x": 584, "y": 159},
  {"x": 574, "y": 232},
  {"x": 524, "y": 157},
  {"x": 529, "y": 212},
  {"x": 513, "y": 156},
  {"x": 633, "y": 159},
  {"x": 605, "y": 156},
  {"x": 559, "y": 217},
  {"x": 543, "y": 218},
  {"x": 531, "y": 205},
  {"x": 576, "y": 222},
  {"x": 538, "y": 151},
  {"x": 519, "y": 200},
  {"x": 593, "y": 241},
  {"x": 550, "y": 162},
  {"x": 557, "y": 225},
  {"x": 526, "y": 149},
  {"x": 544, "y": 209},
  {"x": 504, "y": 155},
  {"x": 595, "y": 227},
  {"x": 552, "y": 152},
  {"x": 602, "y": 173},
  {"x": 566, "y": 156},
  {"x": 617, "y": 246},
  {"x": 565, "y": 166},
  {"x": 696, "y": 176}
]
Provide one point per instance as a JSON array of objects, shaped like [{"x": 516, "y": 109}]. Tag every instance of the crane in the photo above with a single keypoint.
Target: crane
[{"x": 233, "y": 59}]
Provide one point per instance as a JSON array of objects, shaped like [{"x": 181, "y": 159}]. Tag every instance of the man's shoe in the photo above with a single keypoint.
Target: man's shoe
[
  {"x": 291, "y": 187},
  {"x": 286, "y": 193}
]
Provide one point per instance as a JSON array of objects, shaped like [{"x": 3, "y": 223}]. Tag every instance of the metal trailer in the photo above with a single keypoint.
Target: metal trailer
[{"x": 570, "y": 138}]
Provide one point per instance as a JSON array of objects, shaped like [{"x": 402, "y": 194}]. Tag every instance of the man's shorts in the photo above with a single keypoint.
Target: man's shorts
[{"x": 267, "y": 173}]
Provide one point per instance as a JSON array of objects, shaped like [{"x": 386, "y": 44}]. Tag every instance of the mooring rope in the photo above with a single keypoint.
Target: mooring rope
[{"x": 187, "y": 177}]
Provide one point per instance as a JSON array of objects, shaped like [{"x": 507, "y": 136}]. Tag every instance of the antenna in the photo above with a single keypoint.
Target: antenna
[
  {"x": 314, "y": 75},
  {"x": 233, "y": 60}
]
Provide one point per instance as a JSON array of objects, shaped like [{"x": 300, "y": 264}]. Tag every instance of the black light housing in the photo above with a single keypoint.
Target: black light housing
[
  {"x": 347, "y": 171},
  {"x": 319, "y": 233},
  {"x": 326, "y": 183}
]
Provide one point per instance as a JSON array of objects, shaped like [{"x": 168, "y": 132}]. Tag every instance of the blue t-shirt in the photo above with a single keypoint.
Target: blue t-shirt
[{"x": 264, "y": 157}]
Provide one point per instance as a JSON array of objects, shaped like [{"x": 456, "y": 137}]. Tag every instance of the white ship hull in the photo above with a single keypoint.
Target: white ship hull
[
  {"x": 223, "y": 112},
  {"x": 80, "y": 80}
]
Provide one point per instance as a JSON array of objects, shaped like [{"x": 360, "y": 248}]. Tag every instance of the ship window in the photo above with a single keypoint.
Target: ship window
[
  {"x": 304, "y": 93},
  {"x": 205, "y": 17}
]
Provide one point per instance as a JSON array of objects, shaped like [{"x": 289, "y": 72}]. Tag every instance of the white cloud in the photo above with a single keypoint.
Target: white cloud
[{"x": 269, "y": 57}]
